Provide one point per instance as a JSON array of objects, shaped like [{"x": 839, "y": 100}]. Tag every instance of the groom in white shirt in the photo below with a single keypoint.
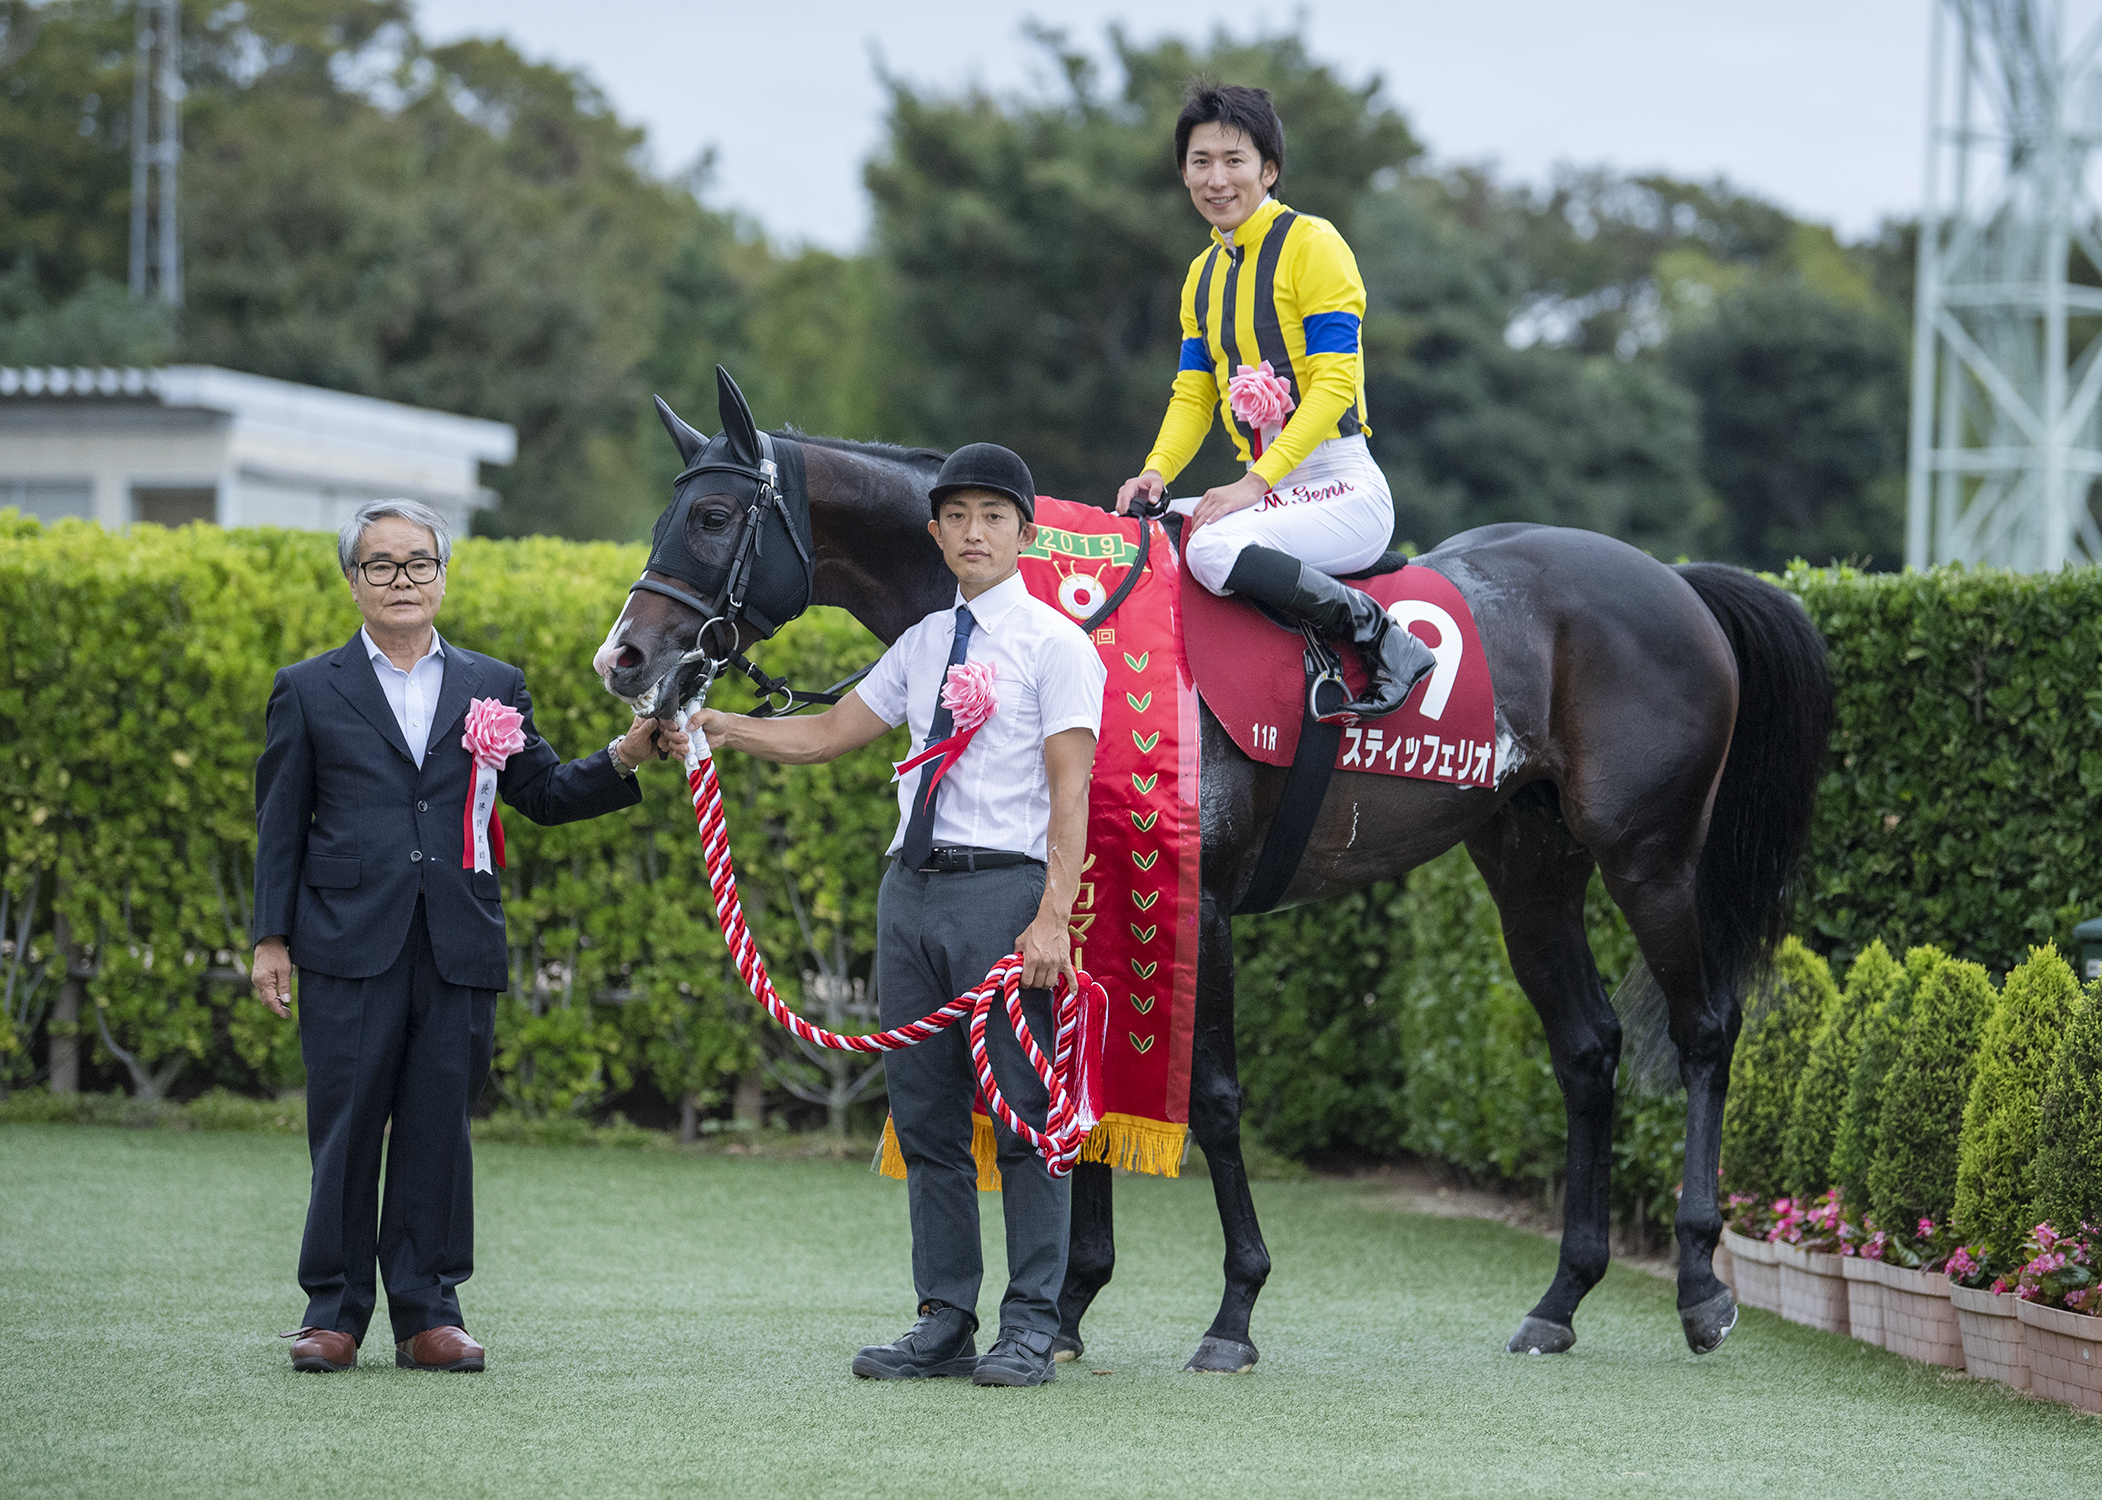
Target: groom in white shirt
[{"x": 987, "y": 862}]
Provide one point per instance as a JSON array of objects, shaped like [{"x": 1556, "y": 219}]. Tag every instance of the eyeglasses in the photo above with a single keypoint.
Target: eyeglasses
[{"x": 382, "y": 571}]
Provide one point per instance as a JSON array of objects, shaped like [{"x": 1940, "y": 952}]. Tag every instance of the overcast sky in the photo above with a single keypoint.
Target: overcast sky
[{"x": 1817, "y": 104}]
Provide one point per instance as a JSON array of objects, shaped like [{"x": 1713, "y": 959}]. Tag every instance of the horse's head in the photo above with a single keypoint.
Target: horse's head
[{"x": 730, "y": 559}]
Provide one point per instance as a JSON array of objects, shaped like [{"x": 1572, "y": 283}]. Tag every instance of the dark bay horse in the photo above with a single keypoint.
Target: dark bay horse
[{"x": 1667, "y": 727}]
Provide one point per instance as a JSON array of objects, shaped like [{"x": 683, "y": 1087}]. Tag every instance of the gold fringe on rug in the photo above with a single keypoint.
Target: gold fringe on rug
[
  {"x": 1129, "y": 1141},
  {"x": 1138, "y": 1144}
]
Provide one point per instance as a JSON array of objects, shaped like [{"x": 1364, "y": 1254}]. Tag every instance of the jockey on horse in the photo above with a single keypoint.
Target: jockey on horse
[{"x": 1282, "y": 288}]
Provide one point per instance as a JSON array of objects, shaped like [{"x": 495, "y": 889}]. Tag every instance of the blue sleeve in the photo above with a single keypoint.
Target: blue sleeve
[
  {"x": 1196, "y": 357},
  {"x": 1330, "y": 333}
]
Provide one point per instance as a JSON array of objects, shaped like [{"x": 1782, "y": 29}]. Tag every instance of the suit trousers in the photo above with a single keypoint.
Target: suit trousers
[
  {"x": 404, "y": 1047},
  {"x": 936, "y": 935}
]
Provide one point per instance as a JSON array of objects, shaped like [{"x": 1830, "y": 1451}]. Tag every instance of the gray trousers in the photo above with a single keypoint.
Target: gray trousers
[{"x": 936, "y": 935}]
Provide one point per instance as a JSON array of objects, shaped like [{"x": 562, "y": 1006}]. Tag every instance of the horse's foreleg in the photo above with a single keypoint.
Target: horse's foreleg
[
  {"x": 1091, "y": 1254},
  {"x": 1215, "y": 1119},
  {"x": 1538, "y": 873}
]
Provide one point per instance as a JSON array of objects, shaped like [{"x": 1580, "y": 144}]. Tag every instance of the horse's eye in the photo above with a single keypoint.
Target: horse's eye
[{"x": 714, "y": 520}]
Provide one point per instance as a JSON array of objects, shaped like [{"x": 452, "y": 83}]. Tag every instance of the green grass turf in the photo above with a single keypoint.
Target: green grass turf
[{"x": 666, "y": 1323}]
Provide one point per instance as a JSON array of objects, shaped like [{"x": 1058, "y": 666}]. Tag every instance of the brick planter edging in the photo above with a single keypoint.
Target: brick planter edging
[
  {"x": 1918, "y": 1320},
  {"x": 1995, "y": 1343},
  {"x": 1757, "y": 1283},
  {"x": 1813, "y": 1289},
  {"x": 2065, "y": 1354},
  {"x": 1864, "y": 1300}
]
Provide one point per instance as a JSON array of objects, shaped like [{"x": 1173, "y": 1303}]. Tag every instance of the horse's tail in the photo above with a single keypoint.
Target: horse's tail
[{"x": 1760, "y": 825}]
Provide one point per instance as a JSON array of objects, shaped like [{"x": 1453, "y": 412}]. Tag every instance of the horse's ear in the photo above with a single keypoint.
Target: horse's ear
[
  {"x": 736, "y": 413},
  {"x": 690, "y": 442}
]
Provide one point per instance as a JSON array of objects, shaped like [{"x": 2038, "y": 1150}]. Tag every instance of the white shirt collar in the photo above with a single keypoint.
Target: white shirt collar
[
  {"x": 990, "y": 607},
  {"x": 373, "y": 652}
]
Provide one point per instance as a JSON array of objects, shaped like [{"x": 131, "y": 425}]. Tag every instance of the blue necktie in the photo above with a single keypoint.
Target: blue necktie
[{"x": 919, "y": 827}]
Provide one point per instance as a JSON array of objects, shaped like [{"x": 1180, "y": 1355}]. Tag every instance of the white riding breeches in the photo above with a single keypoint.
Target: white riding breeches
[{"x": 1334, "y": 513}]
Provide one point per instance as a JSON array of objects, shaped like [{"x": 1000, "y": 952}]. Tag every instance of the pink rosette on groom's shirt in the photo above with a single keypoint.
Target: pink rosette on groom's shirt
[
  {"x": 969, "y": 697},
  {"x": 494, "y": 735},
  {"x": 1262, "y": 399}
]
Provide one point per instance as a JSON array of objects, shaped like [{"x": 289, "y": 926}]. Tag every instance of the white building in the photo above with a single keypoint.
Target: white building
[{"x": 196, "y": 443}]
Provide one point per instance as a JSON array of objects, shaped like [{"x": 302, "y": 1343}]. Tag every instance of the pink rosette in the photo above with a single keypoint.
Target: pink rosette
[
  {"x": 1260, "y": 397},
  {"x": 493, "y": 733},
  {"x": 968, "y": 694}
]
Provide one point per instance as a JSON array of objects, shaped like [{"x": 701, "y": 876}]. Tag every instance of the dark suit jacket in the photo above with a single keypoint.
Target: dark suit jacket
[{"x": 349, "y": 829}]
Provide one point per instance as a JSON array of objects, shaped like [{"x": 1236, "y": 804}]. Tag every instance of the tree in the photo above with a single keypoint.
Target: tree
[
  {"x": 1802, "y": 424},
  {"x": 1919, "y": 1122},
  {"x": 1996, "y": 1163},
  {"x": 1821, "y": 1099},
  {"x": 2069, "y": 1130},
  {"x": 1882, "y": 1031},
  {"x": 1768, "y": 1064}
]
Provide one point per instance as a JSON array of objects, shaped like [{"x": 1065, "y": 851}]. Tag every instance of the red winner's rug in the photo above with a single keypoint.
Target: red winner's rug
[{"x": 1135, "y": 922}]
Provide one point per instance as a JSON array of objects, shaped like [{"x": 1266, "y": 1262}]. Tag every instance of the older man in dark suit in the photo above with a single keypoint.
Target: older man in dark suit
[{"x": 371, "y": 880}]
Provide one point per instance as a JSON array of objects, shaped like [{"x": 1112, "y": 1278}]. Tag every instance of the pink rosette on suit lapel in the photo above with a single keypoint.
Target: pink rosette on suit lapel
[
  {"x": 494, "y": 735},
  {"x": 969, "y": 697}
]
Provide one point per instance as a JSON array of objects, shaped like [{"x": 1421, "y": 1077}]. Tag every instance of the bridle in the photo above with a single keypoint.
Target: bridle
[{"x": 723, "y": 594}]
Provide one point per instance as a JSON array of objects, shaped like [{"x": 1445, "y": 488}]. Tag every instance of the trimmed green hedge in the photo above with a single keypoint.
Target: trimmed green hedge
[
  {"x": 133, "y": 673},
  {"x": 1963, "y": 802},
  {"x": 1768, "y": 1067}
]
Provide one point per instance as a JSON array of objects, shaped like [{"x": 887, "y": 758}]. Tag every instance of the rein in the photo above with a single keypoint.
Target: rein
[{"x": 1080, "y": 1008}]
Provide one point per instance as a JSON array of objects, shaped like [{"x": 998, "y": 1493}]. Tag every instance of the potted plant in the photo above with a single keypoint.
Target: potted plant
[
  {"x": 1880, "y": 1033},
  {"x": 1995, "y": 1345},
  {"x": 1752, "y": 1277},
  {"x": 1807, "y": 1241},
  {"x": 1765, "y": 1071},
  {"x": 1918, "y": 1319},
  {"x": 1821, "y": 1097},
  {"x": 1996, "y": 1160},
  {"x": 2060, "y": 1301},
  {"x": 2057, "y": 1305}
]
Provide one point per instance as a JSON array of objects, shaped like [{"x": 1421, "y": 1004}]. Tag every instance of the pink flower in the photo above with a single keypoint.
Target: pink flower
[
  {"x": 1259, "y": 397},
  {"x": 1960, "y": 1264},
  {"x": 2046, "y": 1236},
  {"x": 493, "y": 734},
  {"x": 2000, "y": 1287},
  {"x": 1926, "y": 1230},
  {"x": 968, "y": 694}
]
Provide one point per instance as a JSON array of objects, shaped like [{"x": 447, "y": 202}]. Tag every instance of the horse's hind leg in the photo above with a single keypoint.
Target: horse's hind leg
[
  {"x": 1215, "y": 1119},
  {"x": 1665, "y": 918},
  {"x": 1091, "y": 1254},
  {"x": 1538, "y": 872}
]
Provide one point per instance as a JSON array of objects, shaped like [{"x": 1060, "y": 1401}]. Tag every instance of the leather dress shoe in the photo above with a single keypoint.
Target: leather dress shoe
[
  {"x": 1015, "y": 1359},
  {"x": 440, "y": 1349},
  {"x": 318, "y": 1351},
  {"x": 940, "y": 1343}
]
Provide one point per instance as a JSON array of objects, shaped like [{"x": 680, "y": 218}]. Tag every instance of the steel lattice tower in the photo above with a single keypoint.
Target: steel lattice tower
[
  {"x": 2007, "y": 348},
  {"x": 156, "y": 248}
]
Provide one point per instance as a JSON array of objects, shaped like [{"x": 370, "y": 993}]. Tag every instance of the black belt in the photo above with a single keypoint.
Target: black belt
[{"x": 955, "y": 861}]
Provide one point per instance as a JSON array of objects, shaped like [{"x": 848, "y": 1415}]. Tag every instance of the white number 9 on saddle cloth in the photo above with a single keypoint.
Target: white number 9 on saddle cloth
[{"x": 1450, "y": 646}]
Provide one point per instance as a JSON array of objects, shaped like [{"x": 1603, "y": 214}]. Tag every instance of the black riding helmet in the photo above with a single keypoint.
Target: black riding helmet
[{"x": 986, "y": 466}]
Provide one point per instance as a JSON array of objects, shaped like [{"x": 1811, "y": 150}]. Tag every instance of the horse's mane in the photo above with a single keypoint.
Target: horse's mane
[{"x": 889, "y": 452}]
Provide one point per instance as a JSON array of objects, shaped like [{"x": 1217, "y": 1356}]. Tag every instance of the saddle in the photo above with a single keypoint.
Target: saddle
[{"x": 1266, "y": 684}]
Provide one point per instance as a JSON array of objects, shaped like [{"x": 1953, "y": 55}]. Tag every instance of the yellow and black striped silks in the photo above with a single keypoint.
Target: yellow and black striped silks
[{"x": 1285, "y": 288}]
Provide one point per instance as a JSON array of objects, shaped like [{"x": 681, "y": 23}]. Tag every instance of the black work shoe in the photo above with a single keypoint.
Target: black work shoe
[
  {"x": 1012, "y": 1362},
  {"x": 940, "y": 1343}
]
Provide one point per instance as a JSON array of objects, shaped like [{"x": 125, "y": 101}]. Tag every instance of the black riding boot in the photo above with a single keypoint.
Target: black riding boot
[{"x": 1394, "y": 658}]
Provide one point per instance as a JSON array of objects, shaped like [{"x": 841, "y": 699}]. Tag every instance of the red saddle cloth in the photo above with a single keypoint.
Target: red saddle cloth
[{"x": 1251, "y": 674}]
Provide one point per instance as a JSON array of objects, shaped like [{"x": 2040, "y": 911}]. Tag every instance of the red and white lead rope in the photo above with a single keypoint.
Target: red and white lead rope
[{"x": 1066, "y": 1127}]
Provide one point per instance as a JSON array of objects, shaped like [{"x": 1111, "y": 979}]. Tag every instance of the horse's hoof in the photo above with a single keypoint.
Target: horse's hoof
[
  {"x": 1064, "y": 1350},
  {"x": 1222, "y": 1357},
  {"x": 1538, "y": 1336},
  {"x": 1709, "y": 1323}
]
